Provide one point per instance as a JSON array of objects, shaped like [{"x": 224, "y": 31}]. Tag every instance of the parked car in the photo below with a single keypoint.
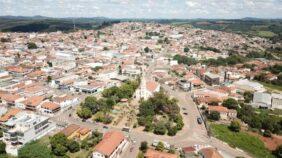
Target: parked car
[
  {"x": 199, "y": 120},
  {"x": 185, "y": 113},
  {"x": 105, "y": 127}
]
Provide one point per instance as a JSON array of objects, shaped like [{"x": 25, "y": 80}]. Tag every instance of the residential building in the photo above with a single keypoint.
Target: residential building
[
  {"x": 74, "y": 131},
  {"x": 225, "y": 114},
  {"x": 111, "y": 146}
]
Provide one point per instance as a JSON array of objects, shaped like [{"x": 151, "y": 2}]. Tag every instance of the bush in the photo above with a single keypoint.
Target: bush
[
  {"x": 160, "y": 146},
  {"x": 230, "y": 103},
  {"x": 31, "y": 45},
  {"x": 35, "y": 150},
  {"x": 73, "y": 146},
  {"x": 144, "y": 146},
  {"x": 172, "y": 131},
  {"x": 235, "y": 126},
  {"x": 2, "y": 147},
  {"x": 214, "y": 115},
  {"x": 160, "y": 129}
]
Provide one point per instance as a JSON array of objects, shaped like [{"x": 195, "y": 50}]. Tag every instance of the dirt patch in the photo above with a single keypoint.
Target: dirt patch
[{"x": 270, "y": 143}]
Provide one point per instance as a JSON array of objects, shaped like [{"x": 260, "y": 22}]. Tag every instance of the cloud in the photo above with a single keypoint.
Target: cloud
[{"x": 144, "y": 8}]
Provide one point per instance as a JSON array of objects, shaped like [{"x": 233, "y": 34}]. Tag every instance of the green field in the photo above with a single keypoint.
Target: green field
[
  {"x": 271, "y": 87},
  {"x": 266, "y": 34},
  {"x": 251, "y": 144}
]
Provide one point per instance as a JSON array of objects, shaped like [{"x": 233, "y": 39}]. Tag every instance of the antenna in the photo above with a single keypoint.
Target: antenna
[{"x": 73, "y": 21}]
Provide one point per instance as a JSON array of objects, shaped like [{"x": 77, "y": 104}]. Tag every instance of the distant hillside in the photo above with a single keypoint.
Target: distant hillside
[
  {"x": 46, "y": 24},
  {"x": 268, "y": 28}
]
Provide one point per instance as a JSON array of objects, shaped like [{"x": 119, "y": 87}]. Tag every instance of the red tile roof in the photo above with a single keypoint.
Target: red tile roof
[{"x": 110, "y": 142}]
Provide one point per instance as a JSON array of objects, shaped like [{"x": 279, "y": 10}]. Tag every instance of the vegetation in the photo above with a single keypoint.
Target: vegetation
[
  {"x": 160, "y": 114},
  {"x": 248, "y": 96},
  {"x": 230, "y": 103},
  {"x": 278, "y": 151},
  {"x": 261, "y": 120},
  {"x": 35, "y": 150},
  {"x": 231, "y": 60},
  {"x": 2, "y": 148},
  {"x": 242, "y": 140},
  {"x": 101, "y": 107},
  {"x": 144, "y": 146},
  {"x": 276, "y": 82},
  {"x": 214, "y": 115},
  {"x": 31, "y": 45},
  {"x": 235, "y": 126},
  {"x": 184, "y": 60}
]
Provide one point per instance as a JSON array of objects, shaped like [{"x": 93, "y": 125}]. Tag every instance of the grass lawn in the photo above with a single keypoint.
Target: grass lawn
[
  {"x": 80, "y": 154},
  {"x": 44, "y": 140},
  {"x": 242, "y": 140},
  {"x": 266, "y": 34},
  {"x": 271, "y": 86}
]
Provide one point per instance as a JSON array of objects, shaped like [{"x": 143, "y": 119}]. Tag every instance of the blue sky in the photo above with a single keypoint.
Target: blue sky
[{"x": 184, "y": 9}]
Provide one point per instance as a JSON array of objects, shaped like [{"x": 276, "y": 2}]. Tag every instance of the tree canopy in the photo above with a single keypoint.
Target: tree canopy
[{"x": 35, "y": 150}]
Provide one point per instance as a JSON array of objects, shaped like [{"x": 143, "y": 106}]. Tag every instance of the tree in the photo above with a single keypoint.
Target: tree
[
  {"x": 73, "y": 146},
  {"x": 160, "y": 146},
  {"x": 214, "y": 115},
  {"x": 172, "y": 131},
  {"x": 146, "y": 49},
  {"x": 235, "y": 126},
  {"x": 248, "y": 96},
  {"x": 230, "y": 103},
  {"x": 31, "y": 45},
  {"x": 278, "y": 152},
  {"x": 49, "y": 79},
  {"x": 84, "y": 113},
  {"x": 59, "y": 144},
  {"x": 186, "y": 49},
  {"x": 160, "y": 128},
  {"x": 35, "y": 149},
  {"x": 144, "y": 146},
  {"x": 59, "y": 150},
  {"x": 2, "y": 147},
  {"x": 50, "y": 64}
]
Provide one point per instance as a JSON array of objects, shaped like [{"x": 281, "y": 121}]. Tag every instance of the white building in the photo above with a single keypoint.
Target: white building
[
  {"x": 246, "y": 85},
  {"x": 25, "y": 127},
  {"x": 262, "y": 100},
  {"x": 276, "y": 101}
]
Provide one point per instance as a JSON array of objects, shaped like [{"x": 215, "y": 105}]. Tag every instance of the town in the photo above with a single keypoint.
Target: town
[{"x": 144, "y": 90}]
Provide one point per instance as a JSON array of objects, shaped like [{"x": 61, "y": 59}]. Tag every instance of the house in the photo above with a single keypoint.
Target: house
[
  {"x": 11, "y": 113},
  {"x": 209, "y": 153},
  {"x": 150, "y": 153},
  {"x": 33, "y": 103},
  {"x": 225, "y": 113},
  {"x": 262, "y": 100},
  {"x": 25, "y": 127},
  {"x": 50, "y": 107},
  {"x": 11, "y": 99},
  {"x": 185, "y": 85},
  {"x": 74, "y": 131},
  {"x": 65, "y": 100},
  {"x": 111, "y": 146}
]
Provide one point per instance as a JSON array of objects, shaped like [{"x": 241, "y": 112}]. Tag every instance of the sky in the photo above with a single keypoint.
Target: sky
[{"x": 166, "y": 9}]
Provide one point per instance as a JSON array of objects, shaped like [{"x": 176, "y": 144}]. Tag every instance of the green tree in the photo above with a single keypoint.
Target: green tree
[
  {"x": 31, "y": 45},
  {"x": 235, "y": 126},
  {"x": 49, "y": 79},
  {"x": 35, "y": 149},
  {"x": 84, "y": 113},
  {"x": 186, "y": 49},
  {"x": 2, "y": 147},
  {"x": 73, "y": 146},
  {"x": 160, "y": 128},
  {"x": 172, "y": 131},
  {"x": 146, "y": 49},
  {"x": 214, "y": 115},
  {"x": 144, "y": 146},
  {"x": 160, "y": 146},
  {"x": 59, "y": 150},
  {"x": 230, "y": 103},
  {"x": 59, "y": 144},
  {"x": 248, "y": 96}
]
